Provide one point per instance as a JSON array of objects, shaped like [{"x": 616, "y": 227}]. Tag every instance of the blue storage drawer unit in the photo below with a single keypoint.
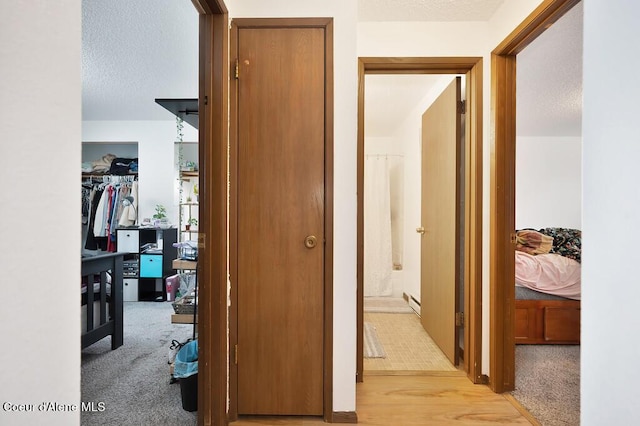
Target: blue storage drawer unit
[{"x": 151, "y": 266}]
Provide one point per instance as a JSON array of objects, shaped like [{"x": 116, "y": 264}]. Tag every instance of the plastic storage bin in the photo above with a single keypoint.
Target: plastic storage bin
[{"x": 151, "y": 265}]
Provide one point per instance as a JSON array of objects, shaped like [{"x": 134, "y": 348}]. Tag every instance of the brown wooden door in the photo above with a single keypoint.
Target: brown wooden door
[
  {"x": 281, "y": 113},
  {"x": 440, "y": 164}
]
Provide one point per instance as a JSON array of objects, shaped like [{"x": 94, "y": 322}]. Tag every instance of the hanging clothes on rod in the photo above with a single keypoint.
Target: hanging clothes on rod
[
  {"x": 106, "y": 209},
  {"x": 129, "y": 213}
]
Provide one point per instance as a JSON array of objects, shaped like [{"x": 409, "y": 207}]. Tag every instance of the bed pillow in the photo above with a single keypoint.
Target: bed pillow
[{"x": 533, "y": 242}]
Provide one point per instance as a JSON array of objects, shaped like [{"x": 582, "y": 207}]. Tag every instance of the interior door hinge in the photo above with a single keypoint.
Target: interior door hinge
[
  {"x": 235, "y": 354},
  {"x": 202, "y": 239},
  {"x": 459, "y": 319},
  {"x": 513, "y": 238},
  {"x": 462, "y": 107},
  {"x": 237, "y": 71}
]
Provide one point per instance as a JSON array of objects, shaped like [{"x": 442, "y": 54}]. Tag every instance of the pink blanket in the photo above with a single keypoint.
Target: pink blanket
[{"x": 549, "y": 273}]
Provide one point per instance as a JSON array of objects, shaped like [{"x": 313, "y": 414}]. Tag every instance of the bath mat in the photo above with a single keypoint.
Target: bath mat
[{"x": 372, "y": 346}]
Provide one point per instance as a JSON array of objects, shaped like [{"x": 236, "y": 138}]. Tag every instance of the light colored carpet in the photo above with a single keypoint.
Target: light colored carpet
[
  {"x": 407, "y": 345},
  {"x": 394, "y": 305},
  {"x": 372, "y": 346},
  {"x": 548, "y": 383},
  {"x": 133, "y": 380}
]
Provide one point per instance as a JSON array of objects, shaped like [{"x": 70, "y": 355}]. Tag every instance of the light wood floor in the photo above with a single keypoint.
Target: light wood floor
[{"x": 408, "y": 400}]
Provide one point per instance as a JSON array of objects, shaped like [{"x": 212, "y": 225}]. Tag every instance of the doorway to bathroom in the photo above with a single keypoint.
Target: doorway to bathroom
[
  {"x": 394, "y": 338},
  {"x": 389, "y": 209}
]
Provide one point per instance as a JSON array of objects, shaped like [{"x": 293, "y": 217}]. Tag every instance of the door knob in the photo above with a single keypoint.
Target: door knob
[
  {"x": 310, "y": 242},
  {"x": 420, "y": 230}
]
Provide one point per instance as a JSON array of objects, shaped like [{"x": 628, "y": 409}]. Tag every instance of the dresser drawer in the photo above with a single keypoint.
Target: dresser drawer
[{"x": 151, "y": 265}]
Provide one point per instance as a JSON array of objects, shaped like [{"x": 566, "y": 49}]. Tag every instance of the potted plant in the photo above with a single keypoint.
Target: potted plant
[
  {"x": 191, "y": 222},
  {"x": 189, "y": 166},
  {"x": 160, "y": 216},
  {"x": 161, "y": 212}
]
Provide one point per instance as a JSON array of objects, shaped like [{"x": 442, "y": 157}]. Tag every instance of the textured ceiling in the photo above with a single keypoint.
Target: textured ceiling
[
  {"x": 135, "y": 51},
  {"x": 549, "y": 80}
]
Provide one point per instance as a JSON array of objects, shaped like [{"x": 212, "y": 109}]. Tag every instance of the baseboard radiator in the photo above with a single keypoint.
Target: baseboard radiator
[{"x": 413, "y": 303}]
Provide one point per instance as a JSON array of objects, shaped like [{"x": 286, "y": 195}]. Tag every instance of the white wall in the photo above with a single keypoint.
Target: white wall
[
  {"x": 94, "y": 151},
  {"x": 344, "y": 251},
  {"x": 158, "y": 178},
  {"x": 382, "y": 146},
  {"x": 611, "y": 200},
  {"x": 548, "y": 182},
  {"x": 40, "y": 110}
]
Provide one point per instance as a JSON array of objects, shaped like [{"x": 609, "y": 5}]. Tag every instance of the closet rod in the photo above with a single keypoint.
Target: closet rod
[
  {"x": 94, "y": 175},
  {"x": 110, "y": 178}
]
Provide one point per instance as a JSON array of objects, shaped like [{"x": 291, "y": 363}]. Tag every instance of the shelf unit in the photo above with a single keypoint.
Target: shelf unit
[
  {"x": 188, "y": 209},
  {"x": 185, "y": 265},
  {"x": 145, "y": 268}
]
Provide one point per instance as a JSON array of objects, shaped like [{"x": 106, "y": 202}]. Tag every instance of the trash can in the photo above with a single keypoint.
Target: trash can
[{"x": 186, "y": 371}]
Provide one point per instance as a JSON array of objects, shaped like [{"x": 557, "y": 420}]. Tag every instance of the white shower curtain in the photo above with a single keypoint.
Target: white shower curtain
[{"x": 378, "y": 262}]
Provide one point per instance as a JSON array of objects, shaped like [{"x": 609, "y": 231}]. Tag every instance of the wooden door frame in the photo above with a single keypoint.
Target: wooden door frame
[
  {"x": 472, "y": 68},
  {"x": 213, "y": 105},
  {"x": 502, "y": 210},
  {"x": 327, "y": 25}
]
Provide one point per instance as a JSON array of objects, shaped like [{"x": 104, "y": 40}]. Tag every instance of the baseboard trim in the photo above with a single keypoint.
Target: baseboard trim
[
  {"x": 525, "y": 413},
  {"x": 457, "y": 373},
  {"x": 344, "y": 417}
]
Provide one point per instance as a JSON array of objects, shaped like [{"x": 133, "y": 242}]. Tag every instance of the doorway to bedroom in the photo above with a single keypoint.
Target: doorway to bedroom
[
  {"x": 553, "y": 157},
  {"x": 548, "y": 176}
]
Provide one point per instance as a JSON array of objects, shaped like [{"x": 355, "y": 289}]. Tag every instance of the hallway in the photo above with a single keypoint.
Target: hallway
[{"x": 436, "y": 398}]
